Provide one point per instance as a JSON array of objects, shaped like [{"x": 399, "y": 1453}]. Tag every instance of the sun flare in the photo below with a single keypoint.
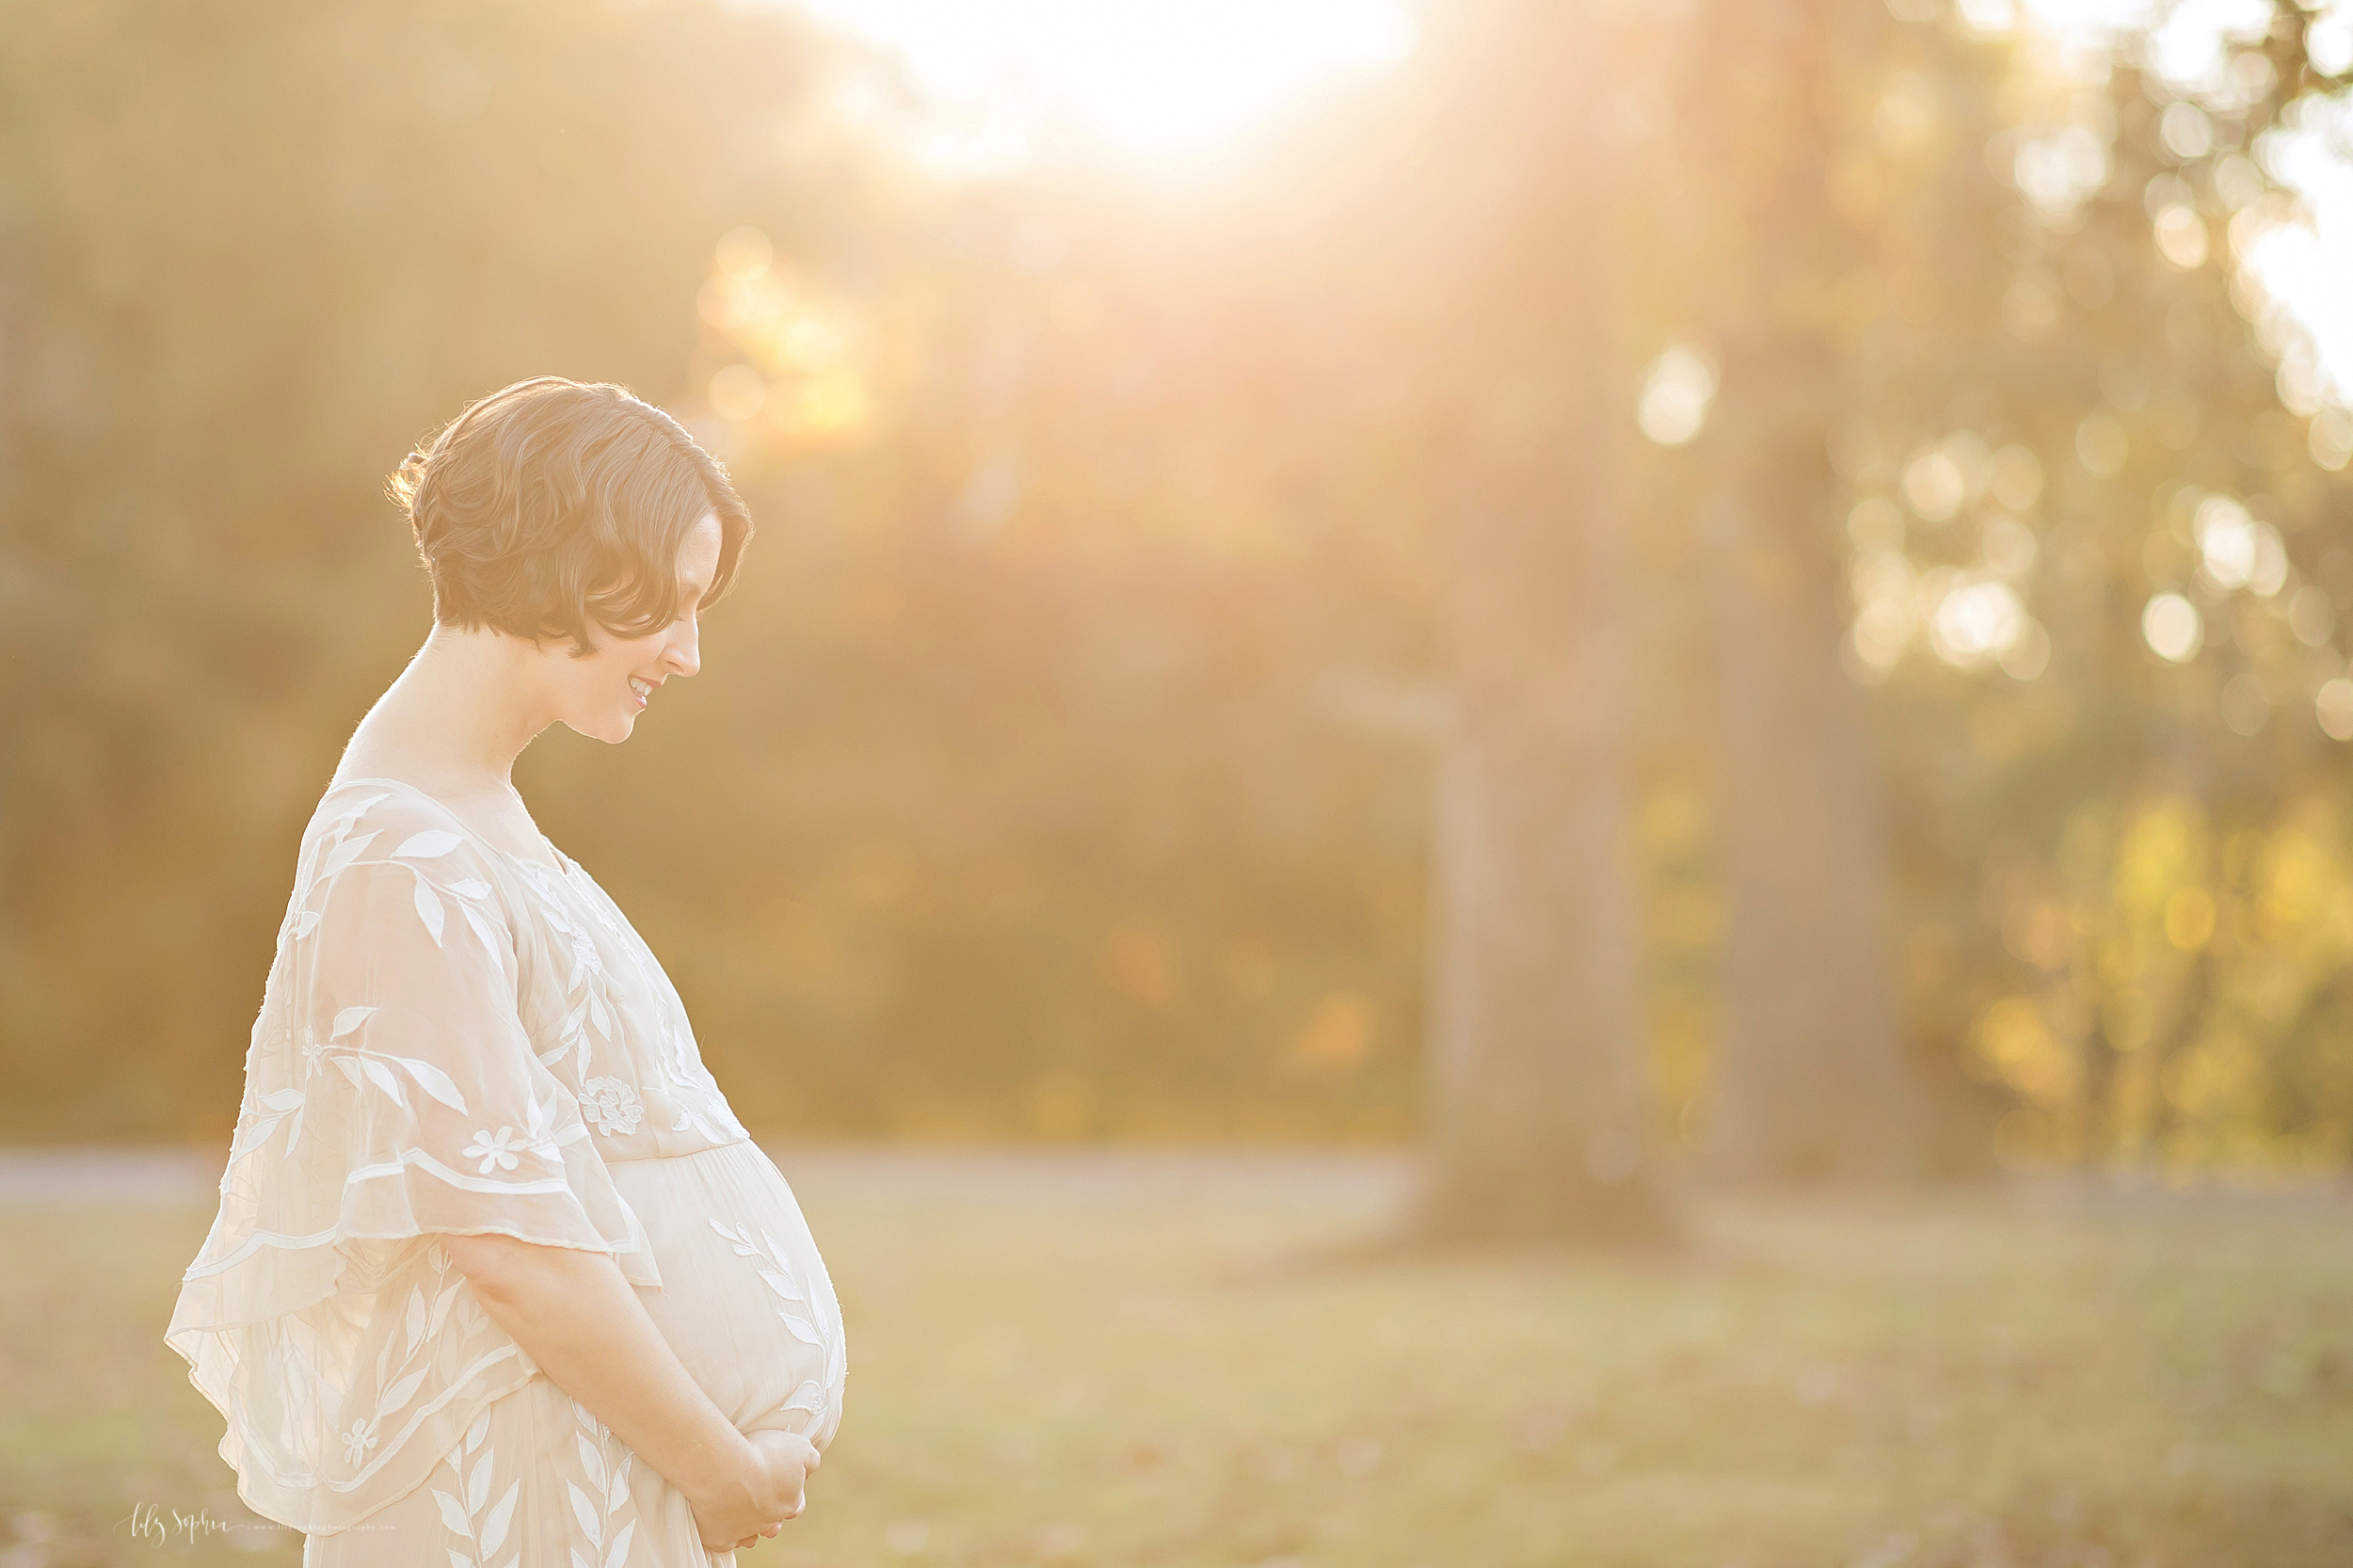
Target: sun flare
[{"x": 1140, "y": 77}]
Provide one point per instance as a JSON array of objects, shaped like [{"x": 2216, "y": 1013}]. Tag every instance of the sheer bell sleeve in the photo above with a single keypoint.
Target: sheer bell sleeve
[{"x": 392, "y": 1094}]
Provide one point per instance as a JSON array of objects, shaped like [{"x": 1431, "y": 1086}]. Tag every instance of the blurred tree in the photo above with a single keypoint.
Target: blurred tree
[
  {"x": 1063, "y": 767},
  {"x": 1810, "y": 1077},
  {"x": 2066, "y": 471},
  {"x": 1540, "y": 1111}
]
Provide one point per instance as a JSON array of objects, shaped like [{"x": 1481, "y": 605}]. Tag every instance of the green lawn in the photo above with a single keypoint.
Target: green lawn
[{"x": 1170, "y": 1360}]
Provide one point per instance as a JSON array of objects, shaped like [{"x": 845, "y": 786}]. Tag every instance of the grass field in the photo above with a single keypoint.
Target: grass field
[{"x": 1175, "y": 1361}]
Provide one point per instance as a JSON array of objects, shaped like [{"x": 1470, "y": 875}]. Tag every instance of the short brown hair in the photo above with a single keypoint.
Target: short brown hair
[{"x": 553, "y": 502}]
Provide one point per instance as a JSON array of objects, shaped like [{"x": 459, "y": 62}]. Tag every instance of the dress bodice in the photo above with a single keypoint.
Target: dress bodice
[
  {"x": 455, "y": 1039},
  {"x": 599, "y": 1011}
]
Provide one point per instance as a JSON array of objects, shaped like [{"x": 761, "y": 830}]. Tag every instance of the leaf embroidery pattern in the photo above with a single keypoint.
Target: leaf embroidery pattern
[
  {"x": 779, "y": 1274},
  {"x": 700, "y": 1106},
  {"x": 361, "y": 1066},
  {"x": 480, "y": 1525},
  {"x": 604, "y": 1465},
  {"x": 586, "y": 1005},
  {"x": 611, "y": 1103},
  {"x": 397, "y": 1381},
  {"x": 469, "y": 891},
  {"x": 300, "y": 919},
  {"x": 801, "y": 1312},
  {"x": 262, "y": 1119},
  {"x": 340, "y": 853}
]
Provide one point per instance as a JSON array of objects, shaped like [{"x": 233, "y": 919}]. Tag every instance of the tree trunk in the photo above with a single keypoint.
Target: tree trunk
[
  {"x": 1539, "y": 1064},
  {"x": 1809, "y": 1079},
  {"x": 1538, "y": 1105}
]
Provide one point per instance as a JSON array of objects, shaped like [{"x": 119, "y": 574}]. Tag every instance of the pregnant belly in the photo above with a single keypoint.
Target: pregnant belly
[{"x": 744, "y": 1301}]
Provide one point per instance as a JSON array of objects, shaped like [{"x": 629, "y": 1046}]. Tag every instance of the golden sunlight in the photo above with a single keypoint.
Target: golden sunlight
[{"x": 1143, "y": 79}]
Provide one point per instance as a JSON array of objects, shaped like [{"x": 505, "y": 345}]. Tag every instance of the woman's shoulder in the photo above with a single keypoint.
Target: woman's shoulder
[
  {"x": 383, "y": 864},
  {"x": 352, "y": 806},
  {"x": 377, "y": 822}
]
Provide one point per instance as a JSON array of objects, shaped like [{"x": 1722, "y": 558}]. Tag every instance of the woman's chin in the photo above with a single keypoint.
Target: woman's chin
[{"x": 612, "y": 731}]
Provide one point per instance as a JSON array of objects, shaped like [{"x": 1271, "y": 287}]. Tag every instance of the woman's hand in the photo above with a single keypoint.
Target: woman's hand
[
  {"x": 582, "y": 1321},
  {"x": 739, "y": 1514},
  {"x": 575, "y": 1315}
]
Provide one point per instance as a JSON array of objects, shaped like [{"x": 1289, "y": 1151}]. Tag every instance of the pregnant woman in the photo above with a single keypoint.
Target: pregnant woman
[{"x": 498, "y": 1279}]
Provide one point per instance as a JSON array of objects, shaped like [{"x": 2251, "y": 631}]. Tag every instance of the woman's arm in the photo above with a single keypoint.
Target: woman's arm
[{"x": 575, "y": 1315}]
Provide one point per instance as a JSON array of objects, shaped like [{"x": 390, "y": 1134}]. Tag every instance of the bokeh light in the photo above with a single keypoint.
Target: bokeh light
[
  {"x": 1676, "y": 395},
  {"x": 2171, "y": 627},
  {"x": 801, "y": 360},
  {"x": 2181, "y": 235},
  {"x": 738, "y": 392},
  {"x": 2016, "y": 479},
  {"x": 2334, "y": 707},
  {"x": 2102, "y": 445}
]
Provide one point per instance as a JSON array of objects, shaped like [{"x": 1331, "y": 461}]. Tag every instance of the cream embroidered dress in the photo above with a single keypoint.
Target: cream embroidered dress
[{"x": 455, "y": 1038}]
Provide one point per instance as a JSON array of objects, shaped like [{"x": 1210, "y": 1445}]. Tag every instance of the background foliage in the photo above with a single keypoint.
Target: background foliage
[{"x": 1062, "y": 767}]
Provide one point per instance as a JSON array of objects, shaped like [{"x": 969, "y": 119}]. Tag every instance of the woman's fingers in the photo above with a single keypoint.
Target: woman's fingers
[{"x": 755, "y": 1540}]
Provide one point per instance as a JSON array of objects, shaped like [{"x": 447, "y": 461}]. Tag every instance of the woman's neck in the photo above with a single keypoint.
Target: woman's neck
[{"x": 457, "y": 717}]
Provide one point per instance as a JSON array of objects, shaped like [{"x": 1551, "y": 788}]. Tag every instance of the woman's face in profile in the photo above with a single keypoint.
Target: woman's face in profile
[{"x": 602, "y": 693}]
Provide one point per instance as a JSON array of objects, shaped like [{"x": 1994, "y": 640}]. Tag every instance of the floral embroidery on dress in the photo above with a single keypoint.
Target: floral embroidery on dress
[
  {"x": 494, "y": 1150},
  {"x": 681, "y": 1095},
  {"x": 612, "y": 1105},
  {"x": 440, "y": 1014},
  {"x": 358, "y": 1440}
]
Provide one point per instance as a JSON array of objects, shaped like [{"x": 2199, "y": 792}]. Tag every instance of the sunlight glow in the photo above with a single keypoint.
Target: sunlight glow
[
  {"x": 2302, "y": 257},
  {"x": 1139, "y": 78},
  {"x": 801, "y": 369}
]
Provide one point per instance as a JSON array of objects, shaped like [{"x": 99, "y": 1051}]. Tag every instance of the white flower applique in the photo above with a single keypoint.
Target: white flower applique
[
  {"x": 612, "y": 1105},
  {"x": 495, "y": 1149},
  {"x": 358, "y": 1440},
  {"x": 499, "y": 1150}
]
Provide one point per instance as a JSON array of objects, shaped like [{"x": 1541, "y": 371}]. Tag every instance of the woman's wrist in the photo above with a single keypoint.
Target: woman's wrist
[
  {"x": 571, "y": 1311},
  {"x": 725, "y": 1477}
]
